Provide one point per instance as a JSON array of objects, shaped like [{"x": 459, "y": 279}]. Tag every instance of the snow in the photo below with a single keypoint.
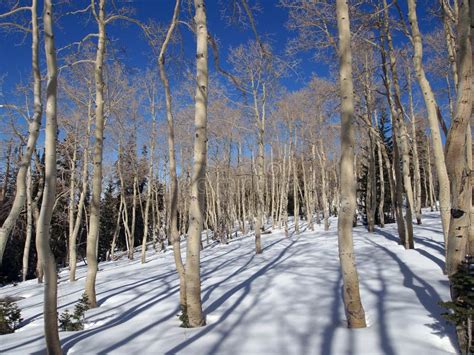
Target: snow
[{"x": 284, "y": 301}]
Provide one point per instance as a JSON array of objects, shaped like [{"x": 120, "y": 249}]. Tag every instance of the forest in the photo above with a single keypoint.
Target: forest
[{"x": 236, "y": 176}]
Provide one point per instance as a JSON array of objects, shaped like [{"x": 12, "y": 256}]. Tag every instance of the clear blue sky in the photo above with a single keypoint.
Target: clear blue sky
[{"x": 15, "y": 50}]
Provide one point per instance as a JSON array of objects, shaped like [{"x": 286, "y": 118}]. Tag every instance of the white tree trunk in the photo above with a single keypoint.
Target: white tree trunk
[
  {"x": 44, "y": 222},
  {"x": 382, "y": 186},
  {"x": 431, "y": 107},
  {"x": 94, "y": 219},
  {"x": 416, "y": 161},
  {"x": 29, "y": 225},
  {"x": 196, "y": 209},
  {"x": 353, "y": 305},
  {"x": 457, "y": 150},
  {"x": 82, "y": 199}
]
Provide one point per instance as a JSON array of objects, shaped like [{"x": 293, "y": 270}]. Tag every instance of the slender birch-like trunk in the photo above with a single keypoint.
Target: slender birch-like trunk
[
  {"x": 352, "y": 302},
  {"x": 29, "y": 225},
  {"x": 82, "y": 199},
  {"x": 94, "y": 219},
  {"x": 173, "y": 192},
  {"x": 131, "y": 250},
  {"x": 416, "y": 162},
  {"x": 400, "y": 134},
  {"x": 324, "y": 187},
  {"x": 123, "y": 201},
  {"x": 457, "y": 151},
  {"x": 44, "y": 221},
  {"x": 296, "y": 200},
  {"x": 431, "y": 108},
  {"x": 382, "y": 186},
  {"x": 260, "y": 168},
  {"x": 397, "y": 187},
  {"x": 116, "y": 231},
  {"x": 430, "y": 180},
  {"x": 316, "y": 202},
  {"x": 149, "y": 182},
  {"x": 33, "y": 133},
  {"x": 286, "y": 189},
  {"x": 450, "y": 42},
  {"x": 371, "y": 198},
  {"x": 425, "y": 184},
  {"x": 307, "y": 196},
  {"x": 35, "y": 210},
  {"x": 72, "y": 195},
  {"x": 196, "y": 209},
  {"x": 282, "y": 187},
  {"x": 273, "y": 200}
]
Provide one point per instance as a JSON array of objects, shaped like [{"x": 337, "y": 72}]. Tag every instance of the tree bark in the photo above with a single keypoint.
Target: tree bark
[
  {"x": 149, "y": 181},
  {"x": 400, "y": 134},
  {"x": 430, "y": 181},
  {"x": 352, "y": 302},
  {"x": 296, "y": 200},
  {"x": 457, "y": 151},
  {"x": 82, "y": 199},
  {"x": 29, "y": 225},
  {"x": 371, "y": 198},
  {"x": 94, "y": 219},
  {"x": 72, "y": 196},
  {"x": 44, "y": 222},
  {"x": 416, "y": 161},
  {"x": 173, "y": 193},
  {"x": 382, "y": 186},
  {"x": 196, "y": 208},
  {"x": 431, "y": 107},
  {"x": 260, "y": 168},
  {"x": 396, "y": 173},
  {"x": 324, "y": 187}
]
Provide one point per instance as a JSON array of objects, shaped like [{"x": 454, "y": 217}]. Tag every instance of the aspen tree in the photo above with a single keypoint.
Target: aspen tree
[
  {"x": 151, "y": 96},
  {"x": 382, "y": 186},
  {"x": 354, "y": 311},
  {"x": 82, "y": 198},
  {"x": 94, "y": 219},
  {"x": 29, "y": 225},
  {"x": 173, "y": 232},
  {"x": 324, "y": 186},
  {"x": 400, "y": 135},
  {"x": 44, "y": 221},
  {"x": 457, "y": 150},
  {"x": 196, "y": 209},
  {"x": 431, "y": 107},
  {"x": 416, "y": 162}
]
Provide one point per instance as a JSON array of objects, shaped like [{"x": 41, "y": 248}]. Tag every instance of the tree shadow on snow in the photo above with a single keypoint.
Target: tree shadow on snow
[
  {"x": 435, "y": 246},
  {"x": 244, "y": 288},
  {"x": 426, "y": 294}
]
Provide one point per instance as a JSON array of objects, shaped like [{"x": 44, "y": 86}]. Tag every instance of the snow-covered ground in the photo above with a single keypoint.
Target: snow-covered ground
[{"x": 285, "y": 301}]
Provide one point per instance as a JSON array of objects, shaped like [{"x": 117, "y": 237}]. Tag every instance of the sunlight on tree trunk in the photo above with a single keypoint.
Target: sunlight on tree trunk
[{"x": 353, "y": 305}]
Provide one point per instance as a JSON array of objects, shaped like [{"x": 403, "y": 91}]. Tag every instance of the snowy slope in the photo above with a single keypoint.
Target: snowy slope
[{"x": 285, "y": 301}]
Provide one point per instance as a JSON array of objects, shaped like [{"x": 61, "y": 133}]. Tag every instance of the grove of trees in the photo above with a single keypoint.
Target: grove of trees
[{"x": 203, "y": 141}]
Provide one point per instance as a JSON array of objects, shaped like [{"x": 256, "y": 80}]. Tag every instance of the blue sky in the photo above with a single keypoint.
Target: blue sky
[
  {"x": 131, "y": 47},
  {"x": 15, "y": 51}
]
